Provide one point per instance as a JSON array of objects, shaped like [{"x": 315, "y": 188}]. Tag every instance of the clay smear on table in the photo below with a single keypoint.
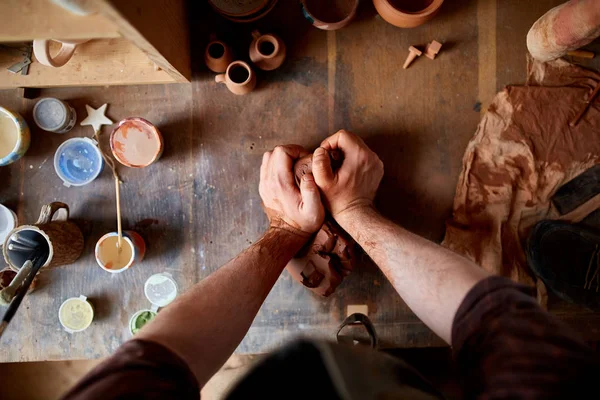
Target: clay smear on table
[{"x": 136, "y": 143}]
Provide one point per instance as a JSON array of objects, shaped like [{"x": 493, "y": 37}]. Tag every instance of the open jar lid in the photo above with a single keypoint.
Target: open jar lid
[{"x": 160, "y": 289}]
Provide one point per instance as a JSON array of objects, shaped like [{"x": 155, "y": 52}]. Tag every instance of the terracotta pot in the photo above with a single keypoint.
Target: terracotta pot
[
  {"x": 329, "y": 15},
  {"x": 407, "y": 13},
  {"x": 53, "y": 229},
  {"x": 218, "y": 56},
  {"x": 239, "y": 78},
  {"x": 267, "y": 52}
]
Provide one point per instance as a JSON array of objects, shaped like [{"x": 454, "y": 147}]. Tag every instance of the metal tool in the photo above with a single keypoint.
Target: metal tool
[
  {"x": 19, "y": 247},
  {"x": 25, "y": 51},
  {"x": 18, "y": 238}
]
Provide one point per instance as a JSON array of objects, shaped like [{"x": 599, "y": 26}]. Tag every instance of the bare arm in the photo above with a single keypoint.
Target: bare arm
[
  {"x": 205, "y": 325},
  {"x": 432, "y": 280}
]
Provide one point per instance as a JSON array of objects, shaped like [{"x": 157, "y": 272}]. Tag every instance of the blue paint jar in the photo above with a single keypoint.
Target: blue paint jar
[{"x": 78, "y": 161}]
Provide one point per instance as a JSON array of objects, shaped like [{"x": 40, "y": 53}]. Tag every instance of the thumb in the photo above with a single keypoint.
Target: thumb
[
  {"x": 321, "y": 167},
  {"x": 311, "y": 197}
]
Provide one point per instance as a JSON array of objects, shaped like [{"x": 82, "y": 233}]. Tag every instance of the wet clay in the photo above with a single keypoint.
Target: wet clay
[
  {"x": 328, "y": 257},
  {"x": 330, "y": 11},
  {"x": 523, "y": 151}
]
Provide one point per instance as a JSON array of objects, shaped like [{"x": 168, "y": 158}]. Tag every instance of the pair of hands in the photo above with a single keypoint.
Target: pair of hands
[{"x": 351, "y": 187}]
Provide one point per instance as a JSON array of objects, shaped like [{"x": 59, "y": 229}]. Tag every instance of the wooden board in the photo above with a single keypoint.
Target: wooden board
[
  {"x": 199, "y": 205},
  {"x": 160, "y": 29},
  {"x": 98, "y": 62},
  {"x": 25, "y": 20}
]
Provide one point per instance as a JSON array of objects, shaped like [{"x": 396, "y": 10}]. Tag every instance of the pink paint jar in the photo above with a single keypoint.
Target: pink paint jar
[{"x": 136, "y": 143}]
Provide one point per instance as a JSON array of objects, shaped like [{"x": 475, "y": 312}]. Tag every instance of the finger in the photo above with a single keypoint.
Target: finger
[
  {"x": 343, "y": 140},
  {"x": 264, "y": 165},
  {"x": 295, "y": 151},
  {"x": 321, "y": 167},
  {"x": 281, "y": 165},
  {"x": 311, "y": 197}
]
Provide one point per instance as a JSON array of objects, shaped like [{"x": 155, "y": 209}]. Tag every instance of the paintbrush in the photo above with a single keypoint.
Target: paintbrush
[{"x": 37, "y": 259}]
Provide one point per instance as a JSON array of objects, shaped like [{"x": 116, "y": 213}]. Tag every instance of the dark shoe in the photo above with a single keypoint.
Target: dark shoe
[{"x": 566, "y": 257}]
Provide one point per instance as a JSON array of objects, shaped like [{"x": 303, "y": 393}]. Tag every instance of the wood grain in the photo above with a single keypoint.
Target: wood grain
[
  {"x": 25, "y": 20},
  {"x": 198, "y": 206},
  {"x": 98, "y": 62}
]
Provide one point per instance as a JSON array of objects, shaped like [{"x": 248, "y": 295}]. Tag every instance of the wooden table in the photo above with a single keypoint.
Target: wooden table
[{"x": 199, "y": 205}]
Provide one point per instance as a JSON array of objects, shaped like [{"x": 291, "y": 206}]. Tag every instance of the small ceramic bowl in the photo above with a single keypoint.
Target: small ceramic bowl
[
  {"x": 328, "y": 16},
  {"x": 136, "y": 143},
  {"x": 407, "y": 13},
  {"x": 14, "y": 137}
]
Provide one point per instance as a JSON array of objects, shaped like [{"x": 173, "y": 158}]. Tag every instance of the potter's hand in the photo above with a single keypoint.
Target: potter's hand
[
  {"x": 286, "y": 206},
  {"x": 354, "y": 184}
]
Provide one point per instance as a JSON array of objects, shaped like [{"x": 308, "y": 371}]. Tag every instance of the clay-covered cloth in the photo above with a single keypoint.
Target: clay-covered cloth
[{"x": 523, "y": 151}]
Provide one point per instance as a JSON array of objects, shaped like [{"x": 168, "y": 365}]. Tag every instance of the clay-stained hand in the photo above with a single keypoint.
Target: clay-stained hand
[
  {"x": 286, "y": 206},
  {"x": 355, "y": 183}
]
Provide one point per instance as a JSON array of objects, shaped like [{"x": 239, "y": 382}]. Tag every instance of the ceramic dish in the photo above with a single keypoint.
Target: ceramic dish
[
  {"x": 329, "y": 16},
  {"x": 253, "y": 17}
]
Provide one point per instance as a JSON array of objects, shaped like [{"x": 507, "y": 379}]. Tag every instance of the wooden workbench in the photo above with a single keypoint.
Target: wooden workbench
[{"x": 199, "y": 205}]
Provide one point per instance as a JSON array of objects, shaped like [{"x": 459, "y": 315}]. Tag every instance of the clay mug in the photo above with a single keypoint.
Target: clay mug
[
  {"x": 53, "y": 230},
  {"x": 267, "y": 52},
  {"x": 239, "y": 78},
  {"x": 41, "y": 49},
  {"x": 217, "y": 55},
  {"x": 407, "y": 13}
]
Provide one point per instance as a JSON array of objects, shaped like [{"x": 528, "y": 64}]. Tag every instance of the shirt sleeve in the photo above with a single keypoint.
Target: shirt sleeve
[
  {"x": 138, "y": 370},
  {"x": 507, "y": 346}
]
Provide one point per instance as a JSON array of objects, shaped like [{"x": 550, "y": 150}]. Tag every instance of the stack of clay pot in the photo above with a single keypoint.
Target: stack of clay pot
[{"x": 267, "y": 52}]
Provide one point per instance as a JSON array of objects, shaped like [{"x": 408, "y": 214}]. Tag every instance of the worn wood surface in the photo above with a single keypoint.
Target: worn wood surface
[
  {"x": 22, "y": 20},
  {"x": 199, "y": 205},
  {"x": 97, "y": 62}
]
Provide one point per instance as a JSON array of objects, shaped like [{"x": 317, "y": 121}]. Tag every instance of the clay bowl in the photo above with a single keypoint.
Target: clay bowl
[
  {"x": 238, "y": 9},
  {"x": 407, "y": 13},
  {"x": 329, "y": 15},
  {"x": 255, "y": 16}
]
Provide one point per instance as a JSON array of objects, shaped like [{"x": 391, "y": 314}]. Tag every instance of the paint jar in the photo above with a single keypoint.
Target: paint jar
[
  {"x": 136, "y": 143},
  {"x": 14, "y": 137},
  {"x": 78, "y": 161},
  {"x": 76, "y": 314},
  {"x": 160, "y": 290},
  {"x": 54, "y": 115},
  {"x": 8, "y": 222},
  {"x": 114, "y": 260}
]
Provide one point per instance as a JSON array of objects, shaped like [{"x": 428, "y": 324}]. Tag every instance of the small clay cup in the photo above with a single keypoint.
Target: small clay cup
[
  {"x": 217, "y": 55},
  {"x": 407, "y": 13},
  {"x": 239, "y": 78},
  {"x": 267, "y": 52},
  {"x": 329, "y": 15}
]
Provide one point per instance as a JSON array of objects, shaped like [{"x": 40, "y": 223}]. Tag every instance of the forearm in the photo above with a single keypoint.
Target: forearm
[
  {"x": 432, "y": 280},
  {"x": 205, "y": 325}
]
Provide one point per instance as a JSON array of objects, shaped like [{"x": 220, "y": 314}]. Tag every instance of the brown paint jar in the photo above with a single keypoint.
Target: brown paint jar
[
  {"x": 407, "y": 13},
  {"x": 329, "y": 15},
  {"x": 136, "y": 143},
  {"x": 239, "y": 78},
  {"x": 267, "y": 52},
  {"x": 217, "y": 55}
]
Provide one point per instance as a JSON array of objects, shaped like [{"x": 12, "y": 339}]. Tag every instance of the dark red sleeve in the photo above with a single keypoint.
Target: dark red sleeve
[
  {"x": 138, "y": 370},
  {"x": 506, "y": 346}
]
